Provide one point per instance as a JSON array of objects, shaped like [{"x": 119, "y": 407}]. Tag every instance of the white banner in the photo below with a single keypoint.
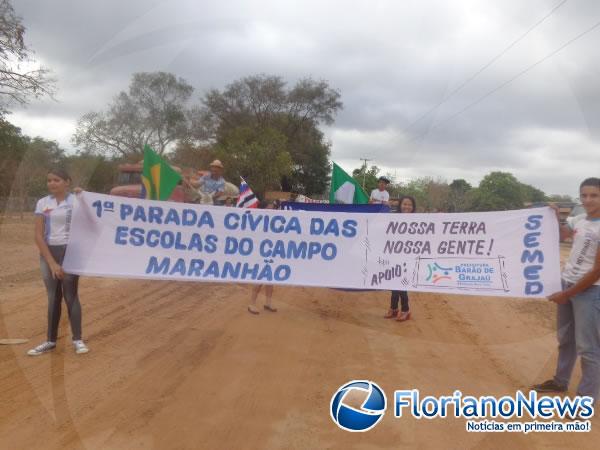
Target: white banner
[{"x": 508, "y": 253}]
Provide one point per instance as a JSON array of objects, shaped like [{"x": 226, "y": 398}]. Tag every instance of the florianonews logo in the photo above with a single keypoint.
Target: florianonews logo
[
  {"x": 368, "y": 409},
  {"x": 360, "y": 404}
]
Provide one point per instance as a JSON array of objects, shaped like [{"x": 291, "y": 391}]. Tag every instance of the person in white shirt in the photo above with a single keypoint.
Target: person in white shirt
[
  {"x": 381, "y": 195},
  {"x": 52, "y": 225},
  {"x": 578, "y": 312}
]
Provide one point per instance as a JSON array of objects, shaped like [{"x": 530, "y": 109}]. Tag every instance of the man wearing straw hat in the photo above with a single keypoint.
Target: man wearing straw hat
[{"x": 211, "y": 186}]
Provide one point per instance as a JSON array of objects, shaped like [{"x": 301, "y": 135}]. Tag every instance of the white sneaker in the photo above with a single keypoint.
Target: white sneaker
[
  {"x": 80, "y": 347},
  {"x": 42, "y": 348}
]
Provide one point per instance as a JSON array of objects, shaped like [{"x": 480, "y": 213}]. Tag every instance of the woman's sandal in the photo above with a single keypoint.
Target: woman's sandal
[
  {"x": 251, "y": 310},
  {"x": 270, "y": 308},
  {"x": 403, "y": 316},
  {"x": 391, "y": 313}
]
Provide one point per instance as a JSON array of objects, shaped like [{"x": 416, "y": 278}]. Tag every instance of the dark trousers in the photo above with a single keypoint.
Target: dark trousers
[
  {"x": 399, "y": 295},
  {"x": 56, "y": 289}
]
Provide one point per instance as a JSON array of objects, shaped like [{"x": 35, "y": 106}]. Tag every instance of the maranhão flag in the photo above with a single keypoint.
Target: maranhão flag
[
  {"x": 247, "y": 199},
  {"x": 345, "y": 189},
  {"x": 158, "y": 177}
]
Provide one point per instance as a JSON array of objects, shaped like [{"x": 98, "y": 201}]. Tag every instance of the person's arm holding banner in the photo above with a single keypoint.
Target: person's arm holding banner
[{"x": 584, "y": 283}]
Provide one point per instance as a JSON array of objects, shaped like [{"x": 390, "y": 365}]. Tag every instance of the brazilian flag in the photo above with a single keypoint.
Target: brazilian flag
[{"x": 158, "y": 177}]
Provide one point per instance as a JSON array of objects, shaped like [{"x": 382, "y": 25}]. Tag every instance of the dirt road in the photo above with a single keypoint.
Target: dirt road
[{"x": 183, "y": 365}]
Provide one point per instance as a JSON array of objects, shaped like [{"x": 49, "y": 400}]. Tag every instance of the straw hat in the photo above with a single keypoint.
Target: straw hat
[{"x": 216, "y": 163}]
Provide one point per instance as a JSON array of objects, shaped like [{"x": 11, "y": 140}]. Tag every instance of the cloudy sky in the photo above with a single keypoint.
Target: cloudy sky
[{"x": 431, "y": 88}]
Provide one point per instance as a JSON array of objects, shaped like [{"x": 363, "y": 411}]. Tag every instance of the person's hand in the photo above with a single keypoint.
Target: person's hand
[
  {"x": 57, "y": 271},
  {"x": 77, "y": 190},
  {"x": 559, "y": 298}
]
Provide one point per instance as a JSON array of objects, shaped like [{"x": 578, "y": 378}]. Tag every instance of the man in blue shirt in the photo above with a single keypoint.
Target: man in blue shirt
[{"x": 211, "y": 186}]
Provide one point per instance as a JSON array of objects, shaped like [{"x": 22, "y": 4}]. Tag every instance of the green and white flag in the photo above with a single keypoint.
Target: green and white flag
[{"x": 345, "y": 189}]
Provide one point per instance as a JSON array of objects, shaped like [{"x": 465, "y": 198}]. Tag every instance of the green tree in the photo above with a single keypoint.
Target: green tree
[
  {"x": 311, "y": 170},
  {"x": 41, "y": 155},
  {"x": 189, "y": 155},
  {"x": 94, "y": 173},
  {"x": 30, "y": 175},
  {"x": 366, "y": 177},
  {"x": 497, "y": 191},
  {"x": 415, "y": 188},
  {"x": 257, "y": 155},
  {"x": 13, "y": 146},
  {"x": 430, "y": 194},
  {"x": 153, "y": 112},
  {"x": 264, "y": 102},
  {"x": 460, "y": 185},
  {"x": 560, "y": 198},
  {"x": 459, "y": 195},
  {"x": 532, "y": 194},
  {"x": 438, "y": 195}
]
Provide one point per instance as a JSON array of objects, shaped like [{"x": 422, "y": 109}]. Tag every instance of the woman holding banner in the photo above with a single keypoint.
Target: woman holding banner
[
  {"x": 52, "y": 226},
  {"x": 407, "y": 204}
]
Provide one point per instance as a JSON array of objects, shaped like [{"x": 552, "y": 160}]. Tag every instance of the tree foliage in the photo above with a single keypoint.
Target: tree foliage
[
  {"x": 431, "y": 195},
  {"x": 560, "y": 198},
  {"x": 532, "y": 194},
  {"x": 95, "y": 173},
  {"x": 459, "y": 195},
  {"x": 25, "y": 163},
  {"x": 264, "y": 102},
  {"x": 258, "y": 155},
  {"x": 153, "y": 112},
  {"x": 498, "y": 191},
  {"x": 30, "y": 175},
  {"x": 190, "y": 155},
  {"x": 309, "y": 153},
  {"x": 14, "y": 147},
  {"x": 366, "y": 177}
]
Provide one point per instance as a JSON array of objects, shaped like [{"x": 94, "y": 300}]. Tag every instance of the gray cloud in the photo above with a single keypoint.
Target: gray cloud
[{"x": 392, "y": 61}]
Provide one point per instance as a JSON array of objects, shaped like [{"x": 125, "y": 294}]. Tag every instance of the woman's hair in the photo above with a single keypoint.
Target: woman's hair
[
  {"x": 594, "y": 182},
  {"x": 60, "y": 173},
  {"x": 412, "y": 200}
]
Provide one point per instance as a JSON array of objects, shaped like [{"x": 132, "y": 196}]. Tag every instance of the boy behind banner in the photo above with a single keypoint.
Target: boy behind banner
[{"x": 578, "y": 325}]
